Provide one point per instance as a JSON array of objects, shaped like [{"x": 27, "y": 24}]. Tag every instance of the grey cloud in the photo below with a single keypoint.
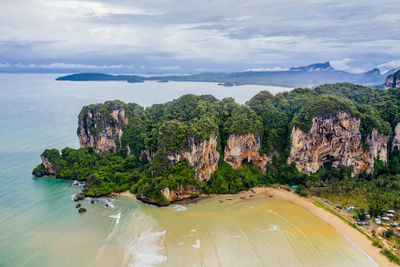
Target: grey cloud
[{"x": 194, "y": 34}]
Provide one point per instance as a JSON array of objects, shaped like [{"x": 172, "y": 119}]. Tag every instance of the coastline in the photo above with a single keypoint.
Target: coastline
[{"x": 357, "y": 239}]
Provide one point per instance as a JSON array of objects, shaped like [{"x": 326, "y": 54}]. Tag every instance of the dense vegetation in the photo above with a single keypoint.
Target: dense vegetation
[{"x": 165, "y": 129}]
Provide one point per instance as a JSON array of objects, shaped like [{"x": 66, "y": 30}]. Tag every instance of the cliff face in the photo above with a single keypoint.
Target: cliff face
[
  {"x": 244, "y": 147},
  {"x": 202, "y": 155},
  {"x": 396, "y": 137},
  {"x": 182, "y": 192},
  {"x": 336, "y": 140},
  {"x": 393, "y": 80},
  {"x": 101, "y": 128},
  {"x": 146, "y": 155},
  {"x": 49, "y": 167}
]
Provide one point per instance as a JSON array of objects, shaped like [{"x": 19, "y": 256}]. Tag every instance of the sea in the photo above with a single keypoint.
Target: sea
[{"x": 40, "y": 226}]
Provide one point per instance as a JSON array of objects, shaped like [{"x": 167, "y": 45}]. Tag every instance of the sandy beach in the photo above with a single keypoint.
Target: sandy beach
[
  {"x": 357, "y": 239},
  {"x": 127, "y": 194}
]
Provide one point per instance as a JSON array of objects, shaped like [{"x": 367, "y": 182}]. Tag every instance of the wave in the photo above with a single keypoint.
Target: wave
[
  {"x": 197, "y": 244},
  {"x": 108, "y": 202},
  {"x": 271, "y": 228},
  {"x": 145, "y": 246},
  {"x": 117, "y": 217},
  {"x": 178, "y": 208}
]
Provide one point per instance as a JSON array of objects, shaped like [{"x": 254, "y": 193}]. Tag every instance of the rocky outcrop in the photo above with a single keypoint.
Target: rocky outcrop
[
  {"x": 100, "y": 127},
  {"x": 146, "y": 155},
  {"x": 172, "y": 195},
  {"x": 336, "y": 140},
  {"x": 50, "y": 168},
  {"x": 396, "y": 137},
  {"x": 202, "y": 155},
  {"x": 50, "y": 163},
  {"x": 393, "y": 80},
  {"x": 183, "y": 192},
  {"x": 245, "y": 147}
]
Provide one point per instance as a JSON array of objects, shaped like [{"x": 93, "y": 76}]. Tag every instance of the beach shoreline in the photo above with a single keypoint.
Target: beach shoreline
[{"x": 357, "y": 239}]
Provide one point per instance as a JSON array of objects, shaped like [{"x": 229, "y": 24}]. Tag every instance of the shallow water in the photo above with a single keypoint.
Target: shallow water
[{"x": 40, "y": 226}]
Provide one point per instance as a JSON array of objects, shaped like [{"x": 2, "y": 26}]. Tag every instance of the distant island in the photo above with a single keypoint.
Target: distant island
[{"x": 307, "y": 76}]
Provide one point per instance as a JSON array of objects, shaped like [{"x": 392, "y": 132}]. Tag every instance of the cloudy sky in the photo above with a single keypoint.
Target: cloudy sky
[{"x": 160, "y": 36}]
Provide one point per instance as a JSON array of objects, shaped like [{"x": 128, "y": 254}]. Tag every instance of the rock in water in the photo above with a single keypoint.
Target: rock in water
[
  {"x": 78, "y": 197},
  {"x": 78, "y": 205},
  {"x": 82, "y": 210}
]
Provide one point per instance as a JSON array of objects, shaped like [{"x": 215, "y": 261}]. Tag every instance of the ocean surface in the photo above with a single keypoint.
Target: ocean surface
[{"x": 40, "y": 226}]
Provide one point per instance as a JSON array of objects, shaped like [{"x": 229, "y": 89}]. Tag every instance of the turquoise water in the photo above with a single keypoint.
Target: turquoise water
[{"x": 40, "y": 226}]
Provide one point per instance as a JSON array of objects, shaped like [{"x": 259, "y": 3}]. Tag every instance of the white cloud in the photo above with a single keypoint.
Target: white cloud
[
  {"x": 343, "y": 64},
  {"x": 268, "y": 69},
  {"x": 86, "y": 8},
  {"x": 71, "y": 66},
  {"x": 390, "y": 65},
  {"x": 4, "y": 64},
  {"x": 168, "y": 68}
]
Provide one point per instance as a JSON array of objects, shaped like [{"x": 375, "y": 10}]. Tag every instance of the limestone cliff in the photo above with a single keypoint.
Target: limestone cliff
[
  {"x": 146, "y": 155},
  {"x": 50, "y": 163},
  {"x": 244, "y": 147},
  {"x": 50, "y": 168},
  {"x": 183, "y": 192},
  {"x": 100, "y": 126},
  {"x": 396, "y": 137},
  {"x": 202, "y": 155},
  {"x": 336, "y": 140},
  {"x": 393, "y": 80}
]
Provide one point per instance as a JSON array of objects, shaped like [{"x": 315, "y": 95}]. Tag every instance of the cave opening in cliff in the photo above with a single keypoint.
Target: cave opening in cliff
[{"x": 328, "y": 162}]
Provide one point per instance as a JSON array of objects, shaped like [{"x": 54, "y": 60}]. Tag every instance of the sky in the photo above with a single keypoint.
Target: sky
[{"x": 170, "y": 36}]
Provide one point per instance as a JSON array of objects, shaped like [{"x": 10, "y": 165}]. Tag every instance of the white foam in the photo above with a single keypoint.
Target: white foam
[
  {"x": 271, "y": 228},
  {"x": 193, "y": 230},
  {"x": 178, "y": 208},
  {"x": 359, "y": 249},
  {"x": 273, "y": 212},
  {"x": 117, "y": 216},
  {"x": 108, "y": 201},
  {"x": 110, "y": 236},
  {"x": 145, "y": 246},
  {"x": 197, "y": 244}
]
